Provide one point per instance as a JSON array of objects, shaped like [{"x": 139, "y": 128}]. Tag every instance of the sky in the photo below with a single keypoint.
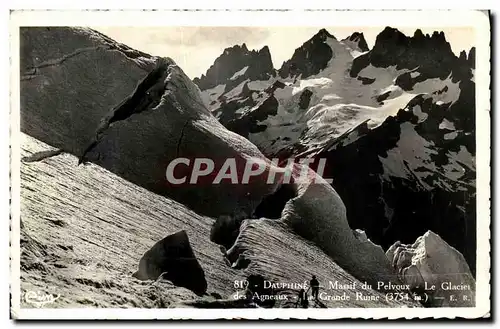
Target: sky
[{"x": 194, "y": 49}]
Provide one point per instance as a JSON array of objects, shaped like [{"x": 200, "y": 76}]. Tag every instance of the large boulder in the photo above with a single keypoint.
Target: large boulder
[
  {"x": 130, "y": 113},
  {"x": 70, "y": 80},
  {"x": 173, "y": 259}
]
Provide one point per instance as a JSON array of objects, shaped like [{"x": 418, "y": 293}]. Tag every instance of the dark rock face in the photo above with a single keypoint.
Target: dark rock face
[
  {"x": 225, "y": 230},
  {"x": 366, "y": 81},
  {"x": 259, "y": 67},
  {"x": 250, "y": 122},
  {"x": 305, "y": 98},
  {"x": 310, "y": 58},
  {"x": 68, "y": 120},
  {"x": 174, "y": 258},
  {"x": 391, "y": 207},
  {"x": 272, "y": 206},
  {"x": 430, "y": 55},
  {"x": 227, "y": 110},
  {"x": 383, "y": 97},
  {"x": 472, "y": 57},
  {"x": 359, "y": 39}
]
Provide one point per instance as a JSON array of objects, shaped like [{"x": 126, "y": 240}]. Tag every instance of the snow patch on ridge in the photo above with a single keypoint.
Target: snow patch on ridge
[
  {"x": 314, "y": 83},
  {"x": 260, "y": 84},
  {"x": 422, "y": 116},
  {"x": 384, "y": 76},
  {"x": 448, "y": 125},
  {"x": 457, "y": 161},
  {"x": 464, "y": 157},
  {"x": 330, "y": 97},
  {"x": 239, "y": 73},
  {"x": 414, "y": 74},
  {"x": 451, "y": 135},
  {"x": 449, "y": 96},
  {"x": 353, "y": 48}
]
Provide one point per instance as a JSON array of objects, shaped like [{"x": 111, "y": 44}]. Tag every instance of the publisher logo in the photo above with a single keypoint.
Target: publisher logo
[{"x": 39, "y": 299}]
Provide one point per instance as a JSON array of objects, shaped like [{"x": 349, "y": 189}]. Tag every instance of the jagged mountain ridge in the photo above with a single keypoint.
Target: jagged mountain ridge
[
  {"x": 407, "y": 93},
  {"x": 235, "y": 63},
  {"x": 314, "y": 55},
  {"x": 338, "y": 101}
]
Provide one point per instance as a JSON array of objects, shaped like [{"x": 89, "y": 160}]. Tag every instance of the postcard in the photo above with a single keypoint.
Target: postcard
[{"x": 244, "y": 164}]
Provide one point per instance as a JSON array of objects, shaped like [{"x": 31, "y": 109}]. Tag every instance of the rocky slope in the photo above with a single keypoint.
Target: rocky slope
[
  {"x": 100, "y": 124},
  {"x": 396, "y": 122},
  {"x": 85, "y": 229}
]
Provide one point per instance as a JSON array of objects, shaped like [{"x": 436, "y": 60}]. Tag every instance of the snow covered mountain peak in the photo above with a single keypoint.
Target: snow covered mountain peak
[
  {"x": 312, "y": 57},
  {"x": 329, "y": 86}
]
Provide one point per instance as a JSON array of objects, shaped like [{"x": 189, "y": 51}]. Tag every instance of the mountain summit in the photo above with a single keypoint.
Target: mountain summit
[
  {"x": 236, "y": 64},
  {"x": 357, "y": 41},
  {"x": 309, "y": 59}
]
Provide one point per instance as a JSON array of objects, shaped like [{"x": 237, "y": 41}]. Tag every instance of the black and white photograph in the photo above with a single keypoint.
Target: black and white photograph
[{"x": 246, "y": 164}]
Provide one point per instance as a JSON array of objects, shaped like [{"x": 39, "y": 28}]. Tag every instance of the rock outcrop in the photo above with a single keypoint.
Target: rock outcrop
[
  {"x": 149, "y": 119},
  {"x": 429, "y": 55},
  {"x": 436, "y": 270},
  {"x": 357, "y": 42}
]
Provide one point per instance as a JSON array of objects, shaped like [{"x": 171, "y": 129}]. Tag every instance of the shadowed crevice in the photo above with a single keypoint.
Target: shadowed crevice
[
  {"x": 272, "y": 205},
  {"x": 147, "y": 95}
]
